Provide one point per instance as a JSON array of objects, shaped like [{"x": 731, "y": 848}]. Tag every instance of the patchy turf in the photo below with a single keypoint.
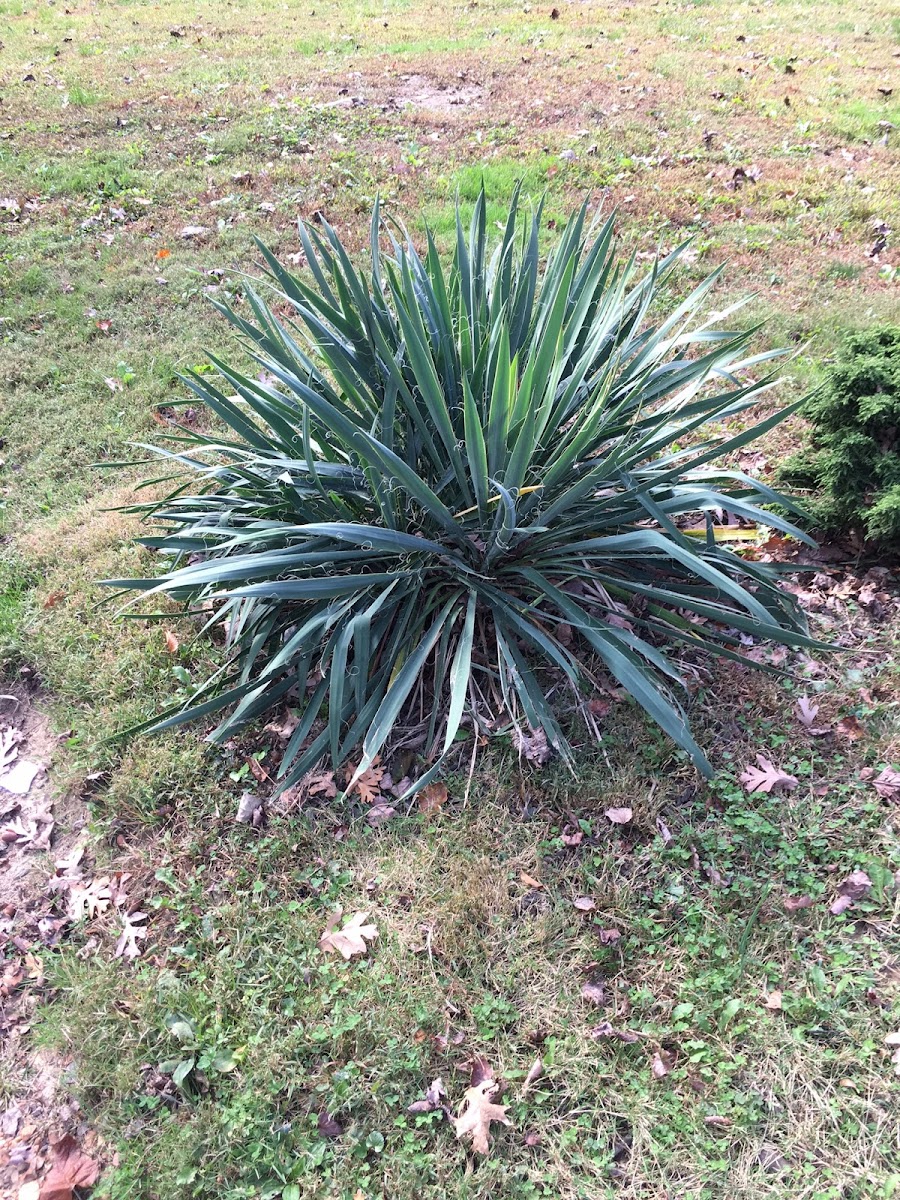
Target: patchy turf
[{"x": 768, "y": 134}]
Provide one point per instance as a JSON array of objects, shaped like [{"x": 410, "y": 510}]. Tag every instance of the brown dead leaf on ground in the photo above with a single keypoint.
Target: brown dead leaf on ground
[
  {"x": 132, "y": 932},
  {"x": 618, "y": 816},
  {"x": 854, "y": 887},
  {"x": 806, "y": 715},
  {"x": 767, "y": 777},
  {"x": 477, "y": 1113},
  {"x": 772, "y": 1000},
  {"x": 432, "y": 798},
  {"x": 71, "y": 1169},
  {"x": 662, "y": 1063},
  {"x": 433, "y": 1098},
  {"x": 584, "y": 903},
  {"x": 322, "y": 784},
  {"x": 532, "y": 746},
  {"x": 284, "y": 727},
  {"x": 172, "y": 642},
  {"x": 887, "y": 784},
  {"x": 850, "y": 728},
  {"x": 530, "y": 881},
  {"x": 368, "y": 786},
  {"x": 352, "y": 939},
  {"x": 594, "y": 992},
  {"x": 606, "y": 1030},
  {"x": 795, "y": 903}
]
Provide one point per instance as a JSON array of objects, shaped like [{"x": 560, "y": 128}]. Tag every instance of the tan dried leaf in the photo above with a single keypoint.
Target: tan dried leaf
[
  {"x": 618, "y": 816},
  {"x": 767, "y": 777},
  {"x": 350, "y": 940},
  {"x": 477, "y": 1113},
  {"x": 584, "y": 903},
  {"x": 772, "y": 1000},
  {"x": 172, "y": 642},
  {"x": 661, "y": 1064},
  {"x": 90, "y": 899},
  {"x": 322, "y": 784},
  {"x": 433, "y": 797},
  {"x": 369, "y": 783}
]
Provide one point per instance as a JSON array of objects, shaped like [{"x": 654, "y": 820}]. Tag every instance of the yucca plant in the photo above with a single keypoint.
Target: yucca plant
[{"x": 462, "y": 492}]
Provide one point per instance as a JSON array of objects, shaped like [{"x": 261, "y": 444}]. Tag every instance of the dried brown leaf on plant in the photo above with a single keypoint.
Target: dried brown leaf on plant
[
  {"x": 767, "y": 777},
  {"x": 351, "y": 940},
  {"x": 477, "y": 1113},
  {"x": 71, "y": 1169},
  {"x": 618, "y": 816}
]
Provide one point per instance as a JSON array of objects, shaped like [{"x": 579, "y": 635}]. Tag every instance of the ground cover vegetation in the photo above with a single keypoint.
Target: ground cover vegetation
[{"x": 678, "y": 987}]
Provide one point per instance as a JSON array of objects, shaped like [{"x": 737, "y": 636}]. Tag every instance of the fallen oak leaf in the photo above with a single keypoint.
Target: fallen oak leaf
[
  {"x": 89, "y": 900},
  {"x": 893, "y": 1040},
  {"x": 477, "y": 1113},
  {"x": 369, "y": 783},
  {"x": 132, "y": 933},
  {"x": 352, "y": 939},
  {"x": 618, "y": 816},
  {"x": 806, "y": 715},
  {"x": 322, "y": 784},
  {"x": 766, "y": 777}
]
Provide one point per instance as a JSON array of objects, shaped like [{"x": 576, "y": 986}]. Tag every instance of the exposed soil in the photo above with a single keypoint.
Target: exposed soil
[{"x": 36, "y": 1111}]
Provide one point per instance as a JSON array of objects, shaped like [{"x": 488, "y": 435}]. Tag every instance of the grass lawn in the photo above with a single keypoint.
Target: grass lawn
[{"x": 707, "y": 1026}]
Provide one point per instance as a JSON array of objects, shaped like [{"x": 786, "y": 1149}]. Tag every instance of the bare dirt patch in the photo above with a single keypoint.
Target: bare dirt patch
[
  {"x": 40, "y": 1124},
  {"x": 420, "y": 91}
]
